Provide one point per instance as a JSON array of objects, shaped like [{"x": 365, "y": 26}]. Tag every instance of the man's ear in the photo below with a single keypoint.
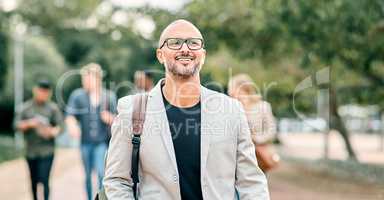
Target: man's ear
[
  {"x": 203, "y": 58},
  {"x": 159, "y": 55}
]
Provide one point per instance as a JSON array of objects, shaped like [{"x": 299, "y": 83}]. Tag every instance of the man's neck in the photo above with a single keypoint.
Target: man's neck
[
  {"x": 182, "y": 93},
  {"x": 95, "y": 96},
  {"x": 38, "y": 102},
  {"x": 96, "y": 91}
]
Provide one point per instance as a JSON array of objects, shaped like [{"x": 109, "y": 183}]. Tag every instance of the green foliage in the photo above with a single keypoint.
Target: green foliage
[
  {"x": 3, "y": 58},
  {"x": 41, "y": 60},
  {"x": 51, "y": 15},
  {"x": 3, "y": 50},
  {"x": 278, "y": 42},
  {"x": 344, "y": 35},
  {"x": 67, "y": 25},
  {"x": 75, "y": 45}
]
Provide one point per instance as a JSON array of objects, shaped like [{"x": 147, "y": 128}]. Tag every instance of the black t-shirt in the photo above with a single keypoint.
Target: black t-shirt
[{"x": 184, "y": 124}]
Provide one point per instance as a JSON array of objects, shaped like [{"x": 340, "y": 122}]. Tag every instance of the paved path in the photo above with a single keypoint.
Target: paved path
[
  {"x": 288, "y": 182},
  {"x": 66, "y": 183}
]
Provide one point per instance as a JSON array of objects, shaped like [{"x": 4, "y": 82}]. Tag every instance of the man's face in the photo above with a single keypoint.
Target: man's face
[
  {"x": 184, "y": 62},
  {"x": 90, "y": 81},
  {"x": 41, "y": 95}
]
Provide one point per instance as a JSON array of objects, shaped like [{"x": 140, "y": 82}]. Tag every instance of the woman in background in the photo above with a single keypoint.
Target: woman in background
[{"x": 260, "y": 119}]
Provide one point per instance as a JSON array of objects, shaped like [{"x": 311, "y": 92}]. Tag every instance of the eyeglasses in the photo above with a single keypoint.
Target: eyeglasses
[{"x": 177, "y": 43}]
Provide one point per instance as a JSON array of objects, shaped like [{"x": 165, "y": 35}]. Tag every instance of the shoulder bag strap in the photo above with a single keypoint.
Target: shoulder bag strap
[{"x": 138, "y": 118}]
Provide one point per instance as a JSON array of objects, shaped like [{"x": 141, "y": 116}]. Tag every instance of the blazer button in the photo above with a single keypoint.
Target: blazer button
[
  {"x": 175, "y": 179},
  {"x": 205, "y": 183}
]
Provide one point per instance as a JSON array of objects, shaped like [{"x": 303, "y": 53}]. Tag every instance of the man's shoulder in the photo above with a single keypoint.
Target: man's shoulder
[
  {"x": 78, "y": 92},
  {"x": 125, "y": 103},
  {"x": 218, "y": 97},
  {"x": 130, "y": 97},
  {"x": 53, "y": 106},
  {"x": 26, "y": 105},
  {"x": 125, "y": 99}
]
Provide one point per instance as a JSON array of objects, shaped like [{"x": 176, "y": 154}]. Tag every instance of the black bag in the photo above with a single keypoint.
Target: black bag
[{"x": 138, "y": 118}]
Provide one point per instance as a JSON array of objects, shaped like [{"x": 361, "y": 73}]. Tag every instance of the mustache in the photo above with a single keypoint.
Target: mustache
[{"x": 185, "y": 54}]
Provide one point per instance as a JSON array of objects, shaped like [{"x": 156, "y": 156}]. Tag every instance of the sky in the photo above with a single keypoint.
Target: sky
[
  {"x": 144, "y": 25},
  {"x": 9, "y": 5},
  {"x": 164, "y": 4}
]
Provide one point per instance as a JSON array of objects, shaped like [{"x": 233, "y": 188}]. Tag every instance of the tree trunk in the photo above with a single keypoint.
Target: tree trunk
[{"x": 337, "y": 123}]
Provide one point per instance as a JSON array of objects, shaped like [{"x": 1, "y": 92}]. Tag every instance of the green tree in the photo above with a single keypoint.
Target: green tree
[
  {"x": 340, "y": 31},
  {"x": 79, "y": 43},
  {"x": 3, "y": 50},
  {"x": 340, "y": 34},
  {"x": 41, "y": 60}
]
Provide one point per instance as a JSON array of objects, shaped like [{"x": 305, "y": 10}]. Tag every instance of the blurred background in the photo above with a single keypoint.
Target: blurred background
[{"x": 319, "y": 63}]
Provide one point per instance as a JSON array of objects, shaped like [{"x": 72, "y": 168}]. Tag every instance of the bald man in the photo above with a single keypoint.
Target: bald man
[{"x": 195, "y": 144}]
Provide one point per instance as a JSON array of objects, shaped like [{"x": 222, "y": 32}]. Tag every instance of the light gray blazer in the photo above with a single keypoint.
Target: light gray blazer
[{"x": 228, "y": 161}]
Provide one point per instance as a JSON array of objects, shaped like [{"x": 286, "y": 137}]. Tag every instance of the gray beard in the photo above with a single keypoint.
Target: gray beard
[{"x": 182, "y": 73}]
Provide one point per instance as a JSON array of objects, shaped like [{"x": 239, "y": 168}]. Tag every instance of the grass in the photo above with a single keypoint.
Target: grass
[{"x": 348, "y": 170}]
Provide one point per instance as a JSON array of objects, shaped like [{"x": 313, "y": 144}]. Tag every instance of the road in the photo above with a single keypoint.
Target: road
[{"x": 288, "y": 182}]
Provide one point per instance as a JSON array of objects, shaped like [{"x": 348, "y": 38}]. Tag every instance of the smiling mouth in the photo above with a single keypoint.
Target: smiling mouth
[{"x": 184, "y": 58}]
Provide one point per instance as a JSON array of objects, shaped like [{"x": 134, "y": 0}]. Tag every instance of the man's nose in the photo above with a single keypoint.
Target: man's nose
[{"x": 184, "y": 47}]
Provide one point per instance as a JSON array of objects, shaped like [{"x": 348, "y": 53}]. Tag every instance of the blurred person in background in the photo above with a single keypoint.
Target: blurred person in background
[
  {"x": 40, "y": 120},
  {"x": 260, "y": 119},
  {"x": 90, "y": 112},
  {"x": 143, "y": 81}
]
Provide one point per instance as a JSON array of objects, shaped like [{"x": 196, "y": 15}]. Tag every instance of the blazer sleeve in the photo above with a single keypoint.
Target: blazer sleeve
[
  {"x": 117, "y": 180},
  {"x": 251, "y": 182}
]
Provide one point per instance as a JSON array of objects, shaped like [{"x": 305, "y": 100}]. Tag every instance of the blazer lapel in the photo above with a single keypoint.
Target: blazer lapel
[
  {"x": 206, "y": 118},
  {"x": 156, "y": 110}
]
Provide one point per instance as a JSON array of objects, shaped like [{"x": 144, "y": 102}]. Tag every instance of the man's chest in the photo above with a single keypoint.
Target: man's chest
[{"x": 41, "y": 113}]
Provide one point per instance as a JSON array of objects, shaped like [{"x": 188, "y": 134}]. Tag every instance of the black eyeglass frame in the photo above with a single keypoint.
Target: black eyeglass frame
[{"x": 184, "y": 41}]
